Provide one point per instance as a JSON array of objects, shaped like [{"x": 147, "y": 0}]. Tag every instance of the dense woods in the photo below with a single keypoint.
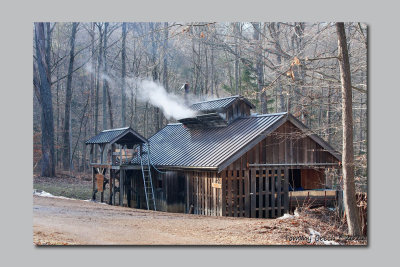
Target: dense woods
[{"x": 85, "y": 79}]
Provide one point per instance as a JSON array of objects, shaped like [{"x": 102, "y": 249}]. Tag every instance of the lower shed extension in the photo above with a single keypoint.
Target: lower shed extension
[{"x": 255, "y": 193}]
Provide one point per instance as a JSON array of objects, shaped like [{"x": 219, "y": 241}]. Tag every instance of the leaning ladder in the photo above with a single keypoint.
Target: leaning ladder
[{"x": 147, "y": 181}]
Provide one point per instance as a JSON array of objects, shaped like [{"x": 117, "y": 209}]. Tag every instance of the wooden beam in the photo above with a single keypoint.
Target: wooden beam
[
  {"x": 253, "y": 193},
  {"x": 279, "y": 190},
  {"x": 273, "y": 199},
  {"x": 247, "y": 193},
  {"x": 223, "y": 193},
  {"x": 294, "y": 164},
  {"x": 267, "y": 193},
  {"x": 286, "y": 191}
]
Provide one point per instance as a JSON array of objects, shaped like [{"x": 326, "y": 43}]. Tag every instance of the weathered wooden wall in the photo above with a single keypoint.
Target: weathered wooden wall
[
  {"x": 255, "y": 192},
  {"x": 169, "y": 191},
  {"x": 238, "y": 109},
  {"x": 287, "y": 145},
  {"x": 262, "y": 191},
  {"x": 204, "y": 193}
]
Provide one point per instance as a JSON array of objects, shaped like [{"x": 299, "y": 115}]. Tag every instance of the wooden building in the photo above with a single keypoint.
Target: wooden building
[{"x": 225, "y": 161}]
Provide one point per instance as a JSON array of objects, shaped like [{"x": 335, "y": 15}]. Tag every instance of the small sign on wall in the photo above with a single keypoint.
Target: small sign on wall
[
  {"x": 216, "y": 185},
  {"x": 100, "y": 181}
]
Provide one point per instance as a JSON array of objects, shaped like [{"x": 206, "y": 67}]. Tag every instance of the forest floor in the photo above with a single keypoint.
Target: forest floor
[{"x": 63, "y": 221}]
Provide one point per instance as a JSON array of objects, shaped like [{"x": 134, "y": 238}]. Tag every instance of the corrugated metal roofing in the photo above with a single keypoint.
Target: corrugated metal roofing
[
  {"x": 108, "y": 136},
  {"x": 176, "y": 145},
  {"x": 217, "y": 103}
]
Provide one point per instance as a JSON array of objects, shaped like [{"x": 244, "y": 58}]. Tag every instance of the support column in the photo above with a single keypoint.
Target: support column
[
  {"x": 102, "y": 191},
  {"x": 111, "y": 186},
  {"x": 93, "y": 184},
  {"x": 121, "y": 187}
]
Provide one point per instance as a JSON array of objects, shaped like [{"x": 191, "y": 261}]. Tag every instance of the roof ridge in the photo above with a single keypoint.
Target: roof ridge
[
  {"x": 270, "y": 114},
  {"x": 204, "y": 101},
  {"x": 115, "y": 129}
]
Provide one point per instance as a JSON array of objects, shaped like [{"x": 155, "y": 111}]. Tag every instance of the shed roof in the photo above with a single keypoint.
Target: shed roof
[
  {"x": 177, "y": 146},
  {"x": 216, "y": 148},
  {"x": 119, "y": 135},
  {"x": 221, "y": 103}
]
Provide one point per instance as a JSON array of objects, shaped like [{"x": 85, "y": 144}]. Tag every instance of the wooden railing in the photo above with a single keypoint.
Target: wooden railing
[
  {"x": 312, "y": 198},
  {"x": 123, "y": 156}
]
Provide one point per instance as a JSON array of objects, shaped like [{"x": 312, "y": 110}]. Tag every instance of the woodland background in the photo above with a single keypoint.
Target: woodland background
[{"x": 278, "y": 66}]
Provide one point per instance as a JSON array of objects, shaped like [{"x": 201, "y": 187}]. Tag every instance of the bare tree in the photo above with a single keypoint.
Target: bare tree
[
  {"x": 123, "y": 85},
  {"x": 68, "y": 97},
  {"x": 43, "y": 87},
  {"x": 104, "y": 74},
  {"x": 353, "y": 219}
]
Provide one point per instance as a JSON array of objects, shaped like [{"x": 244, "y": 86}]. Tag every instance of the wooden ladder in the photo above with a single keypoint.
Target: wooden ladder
[{"x": 147, "y": 180}]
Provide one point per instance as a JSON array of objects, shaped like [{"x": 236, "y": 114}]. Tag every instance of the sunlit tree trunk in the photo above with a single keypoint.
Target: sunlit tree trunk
[{"x": 353, "y": 219}]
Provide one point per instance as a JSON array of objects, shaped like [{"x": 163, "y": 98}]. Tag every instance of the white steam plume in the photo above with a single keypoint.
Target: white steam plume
[{"x": 171, "y": 105}]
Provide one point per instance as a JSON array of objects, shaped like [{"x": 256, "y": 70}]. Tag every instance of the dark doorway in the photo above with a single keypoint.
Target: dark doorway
[{"x": 295, "y": 180}]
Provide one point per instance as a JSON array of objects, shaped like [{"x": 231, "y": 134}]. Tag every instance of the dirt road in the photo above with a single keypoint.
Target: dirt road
[
  {"x": 66, "y": 221},
  {"x": 76, "y": 222}
]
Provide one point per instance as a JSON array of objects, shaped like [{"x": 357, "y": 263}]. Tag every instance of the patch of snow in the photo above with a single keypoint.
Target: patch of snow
[
  {"x": 296, "y": 213},
  {"x": 286, "y": 216},
  {"x": 316, "y": 237},
  {"x": 42, "y": 193}
]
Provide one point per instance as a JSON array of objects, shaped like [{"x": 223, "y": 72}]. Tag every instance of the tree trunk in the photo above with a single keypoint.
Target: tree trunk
[
  {"x": 353, "y": 219},
  {"x": 104, "y": 74},
  {"x": 110, "y": 109},
  {"x": 236, "y": 27},
  {"x": 165, "y": 60},
  {"x": 123, "y": 86},
  {"x": 154, "y": 71},
  {"x": 99, "y": 66},
  {"x": 92, "y": 83},
  {"x": 259, "y": 68},
  {"x": 68, "y": 98},
  {"x": 47, "y": 123}
]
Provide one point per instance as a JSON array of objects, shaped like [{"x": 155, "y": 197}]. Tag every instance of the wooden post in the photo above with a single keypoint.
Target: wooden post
[
  {"x": 286, "y": 191},
  {"x": 229, "y": 181},
  {"x": 121, "y": 187},
  {"x": 253, "y": 193},
  {"x": 235, "y": 193},
  {"x": 102, "y": 191},
  {"x": 223, "y": 193},
  {"x": 261, "y": 193},
  {"x": 111, "y": 186},
  {"x": 187, "y": 193},
  {"x": 247, "y": 193},
  {"x": 279, "y": 191},
  {"x": 267, "y": 193},
  {"x": 273, "y": 199},
  {"x": 240, "y": 193},
  {"x": 93, "y": 184}
]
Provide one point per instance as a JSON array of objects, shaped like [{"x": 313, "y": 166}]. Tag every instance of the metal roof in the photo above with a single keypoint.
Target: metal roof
[
  {"x": 113, "y": 135},
  {"x": 220, "y": 103},
  {"x": 177, "y": 146}
]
